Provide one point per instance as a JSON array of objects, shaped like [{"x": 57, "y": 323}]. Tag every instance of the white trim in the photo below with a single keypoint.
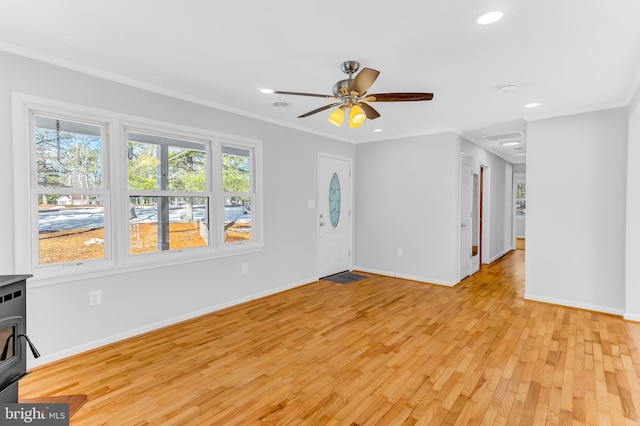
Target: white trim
[
  {"x": 486, "y": 214},
  {"x": 574, "y": 304},
  {"x": 632, "y": 317},
  {"x": 27, "y": 53},
  {"x": 74, "y": 66},
  {"x": 351, "y": 207},
  {"x": 426, "y": 280},
  {"x": 46, "y": 359},
  {"x": 499, "y": 255},
  {"x": 509, "y": 234},
  {"x": 117, "y": 123},
  {"x": 464, "y": 156},
  {"x": 518, "y": 177},
  {"x": 580, "y": 110}
]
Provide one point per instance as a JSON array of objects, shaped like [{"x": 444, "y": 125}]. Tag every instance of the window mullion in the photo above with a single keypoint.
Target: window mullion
[{"x": 163, "y": 202}]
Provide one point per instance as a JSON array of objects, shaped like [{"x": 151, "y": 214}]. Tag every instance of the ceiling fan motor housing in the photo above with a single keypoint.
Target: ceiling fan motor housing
[
  {"x": 341, "y": 88},
  {"x": 349, "y": 67}
]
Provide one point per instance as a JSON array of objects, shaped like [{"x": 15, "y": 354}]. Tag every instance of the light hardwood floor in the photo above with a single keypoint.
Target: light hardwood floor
[{"x": 377, "y": 351}]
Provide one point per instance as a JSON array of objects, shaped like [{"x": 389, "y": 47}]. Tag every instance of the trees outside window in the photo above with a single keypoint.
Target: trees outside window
[
  {"x": 521, "y": 200},
  {"x": 105, "y": 190},
  {"x": 70, "y": 190},
  {"x": 168, "y": 193},
  {"x": 238, "y": 193}
]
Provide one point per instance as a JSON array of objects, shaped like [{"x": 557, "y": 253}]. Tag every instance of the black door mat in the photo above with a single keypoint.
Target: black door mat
[{"x": 345, "y": 277}]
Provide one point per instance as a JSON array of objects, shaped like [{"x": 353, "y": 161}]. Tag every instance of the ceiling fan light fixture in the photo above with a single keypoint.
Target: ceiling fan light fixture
[
  {"x": 357, "y": 116},
  {"x": 337, "y": 117},
  {"x": 352, "y": 93}
]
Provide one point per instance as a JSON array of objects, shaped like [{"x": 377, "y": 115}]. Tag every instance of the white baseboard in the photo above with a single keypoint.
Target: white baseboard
[
  {"x": 406, "y": 276},
  {"x": 56, "y": 356},
  {"x": 499, "y": 255},
  {"x": 574, "y": 304},
  {"x": 632, "y": 317}
]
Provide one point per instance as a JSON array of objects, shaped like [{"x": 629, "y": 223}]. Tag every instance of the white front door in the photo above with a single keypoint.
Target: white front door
[
  {"x": 334, "y": 215},
  {"x": 466, "y": 214}
]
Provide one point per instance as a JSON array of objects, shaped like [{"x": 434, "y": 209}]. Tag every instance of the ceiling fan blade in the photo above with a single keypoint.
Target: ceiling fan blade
[
  {"x": 371, "y": 113},
  {"x": 320, "y": 109},
  {"x": 279, "y": 92},
  {"x": 363, "y": 80},
  {"x": 399, "y": 97}
]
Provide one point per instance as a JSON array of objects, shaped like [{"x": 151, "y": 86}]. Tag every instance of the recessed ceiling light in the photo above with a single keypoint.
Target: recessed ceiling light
[
  {"x": 377, "y": 130},
  {"x": 508, "y": 88},
  {"x": 489, "y": 17},
  {"x": 281, "y": 104},
  {"x": 532, "y": 105},
  {"x": 510, "y": 143},
  {"x": 267, "y": 91}
]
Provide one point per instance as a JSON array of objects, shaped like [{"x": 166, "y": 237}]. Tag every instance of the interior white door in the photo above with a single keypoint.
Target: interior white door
[
  {"x": 466, "y": 214},
  {"x": 334, "y": 215}
]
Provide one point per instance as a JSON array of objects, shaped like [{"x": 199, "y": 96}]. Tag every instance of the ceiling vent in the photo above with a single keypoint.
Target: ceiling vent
[{"x": 504, "y": 136}]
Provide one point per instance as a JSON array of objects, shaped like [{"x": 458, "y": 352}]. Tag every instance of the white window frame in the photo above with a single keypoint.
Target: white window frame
[
  {"x": 117, "y": 259},
  {"x": 230, "y": 246},
  {"x": 104, "y": 190},
  {"x": 209, "y": 146}
]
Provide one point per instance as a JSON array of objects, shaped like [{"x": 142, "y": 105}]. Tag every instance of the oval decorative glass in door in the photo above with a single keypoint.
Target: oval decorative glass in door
[{"x": 334, "y": 200}]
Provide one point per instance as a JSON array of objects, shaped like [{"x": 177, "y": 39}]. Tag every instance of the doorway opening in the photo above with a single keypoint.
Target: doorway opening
[{"x": 520, "y": 209}]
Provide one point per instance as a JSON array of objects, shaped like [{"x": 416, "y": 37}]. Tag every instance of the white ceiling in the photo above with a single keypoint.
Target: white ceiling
[{"x": 568, "y": 55}]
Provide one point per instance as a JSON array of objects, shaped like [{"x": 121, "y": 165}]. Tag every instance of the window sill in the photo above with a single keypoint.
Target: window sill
[{"x": 106, "y": 269}]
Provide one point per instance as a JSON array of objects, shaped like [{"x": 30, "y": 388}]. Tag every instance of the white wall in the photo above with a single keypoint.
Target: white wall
[
  {"x": 632, "y": 272},
  {"x": 576, "y": 202},
  {"x": 407, "y": 197},
  {"x": 60, "y": 322},
  {"x": 521, "y": 225}
]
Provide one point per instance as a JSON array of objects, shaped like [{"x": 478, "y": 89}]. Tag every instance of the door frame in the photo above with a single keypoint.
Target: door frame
[
  {"x": 462, "y": 217},
  {"x": 351, "y": 207},
  {"x": 517, "y": 177},
  {"x": 485, "y": 214}
]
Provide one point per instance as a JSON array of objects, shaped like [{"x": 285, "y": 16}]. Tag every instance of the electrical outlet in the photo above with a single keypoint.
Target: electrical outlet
[
  {"x": 399, "y": 251},
  {"x": 245, "y": 268},
  {"x": 95, "y": 297}
]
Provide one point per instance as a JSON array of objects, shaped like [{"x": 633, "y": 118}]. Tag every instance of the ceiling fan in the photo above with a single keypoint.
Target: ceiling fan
[{"x": 352, "y": 93}]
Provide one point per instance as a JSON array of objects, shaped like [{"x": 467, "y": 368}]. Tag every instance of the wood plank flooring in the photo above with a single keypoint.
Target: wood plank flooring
[{"x": 380, "y": 351}]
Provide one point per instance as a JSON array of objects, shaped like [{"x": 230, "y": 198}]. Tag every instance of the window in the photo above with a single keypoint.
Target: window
[
  {"x": 70, "y": 188},
  {"x": 238, "y": 193},
  {"x": 521, "y": 198},
  {"x": 168, "y": 181},
  {"x": 105, "y": 191}
]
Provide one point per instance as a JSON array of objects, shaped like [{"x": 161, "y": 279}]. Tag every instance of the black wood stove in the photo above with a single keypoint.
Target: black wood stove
[{"x": 13, "y": 335}]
